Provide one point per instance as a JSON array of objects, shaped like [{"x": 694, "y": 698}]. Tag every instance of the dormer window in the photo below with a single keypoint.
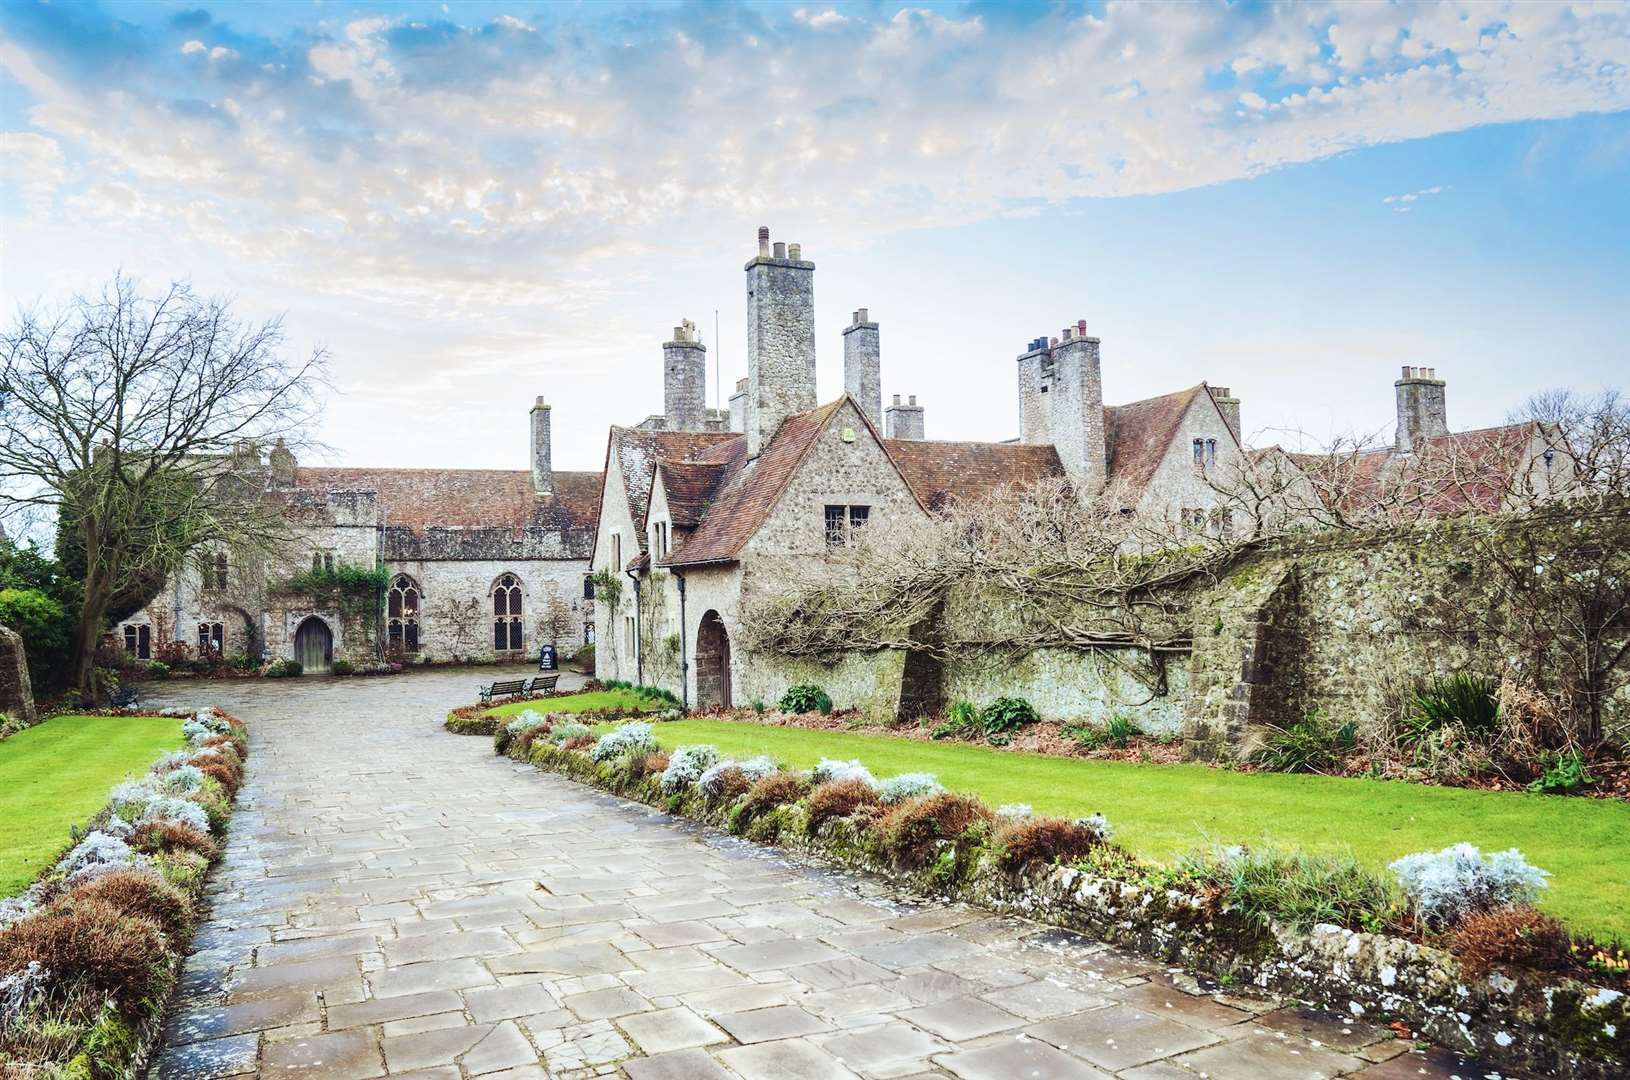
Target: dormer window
[{"x": 1205, "y": 452}]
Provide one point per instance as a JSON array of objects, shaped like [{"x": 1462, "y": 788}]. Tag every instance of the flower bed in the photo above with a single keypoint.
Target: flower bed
[
  {"x": 479, "y": 719},
  {"x": 1451, "y": 950},
  {"x": 90, "y": 952}
]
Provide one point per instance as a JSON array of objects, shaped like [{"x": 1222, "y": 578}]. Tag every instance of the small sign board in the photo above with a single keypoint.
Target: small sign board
[{"x": 546, "y": 659}]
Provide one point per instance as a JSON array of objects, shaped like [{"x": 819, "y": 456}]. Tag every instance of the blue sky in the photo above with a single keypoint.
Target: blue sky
[{"x": 473, "y": 204}]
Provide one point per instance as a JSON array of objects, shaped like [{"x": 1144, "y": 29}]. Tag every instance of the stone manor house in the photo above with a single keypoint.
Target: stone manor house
[{"x": 697, "y": 507}]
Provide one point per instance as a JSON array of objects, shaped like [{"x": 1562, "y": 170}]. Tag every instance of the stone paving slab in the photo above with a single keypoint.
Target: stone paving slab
[{"x": 398, "y": 902}]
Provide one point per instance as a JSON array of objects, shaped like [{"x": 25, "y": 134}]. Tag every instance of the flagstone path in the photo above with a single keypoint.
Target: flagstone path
[{"x": 397, "y": 901}]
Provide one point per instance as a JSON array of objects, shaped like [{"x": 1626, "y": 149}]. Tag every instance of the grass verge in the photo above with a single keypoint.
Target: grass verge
[
  {"x": 57, "y": 773},
  {"x": 1161, "y": 811},
  {"x": 592, "y": 701}
]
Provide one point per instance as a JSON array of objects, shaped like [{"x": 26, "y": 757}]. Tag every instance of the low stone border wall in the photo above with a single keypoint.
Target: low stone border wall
[
  {"x": 1553, "y": 1025},
  {"x": 176, "y": 864}
]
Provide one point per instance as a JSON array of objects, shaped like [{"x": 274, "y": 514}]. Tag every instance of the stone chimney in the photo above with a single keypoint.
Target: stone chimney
[
  {"x": 738, "y": 407},
  {"x": 1228, "y": 405},
  {"x": 282, "y": 463},
  {"x": 903, "y": 421},
  {"x": 684, "y": 380},
  {"x": 1076, "y": 408},
  {"x": 862, "y": 366},
  {"x": 780, "y": 339},
  {"x": 1035, "y": 392},
  {"x": 543, "y": 473},
  {"x": 1422, "y": 412}
]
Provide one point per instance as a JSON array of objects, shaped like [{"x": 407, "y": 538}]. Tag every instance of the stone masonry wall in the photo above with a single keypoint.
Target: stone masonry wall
[{"x": 780, "y": 344}]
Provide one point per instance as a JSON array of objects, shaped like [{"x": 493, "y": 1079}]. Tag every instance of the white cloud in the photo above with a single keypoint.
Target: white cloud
[{"x": 1401, "y": 203}]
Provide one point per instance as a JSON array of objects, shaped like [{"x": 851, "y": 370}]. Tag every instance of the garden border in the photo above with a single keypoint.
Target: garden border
[
  {"x": 1553, "y": 1024},
  {"x": 118, "y": 1044}
]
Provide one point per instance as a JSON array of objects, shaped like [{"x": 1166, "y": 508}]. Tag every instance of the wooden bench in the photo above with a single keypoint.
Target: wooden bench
[
  {"x": 503, "y": 689},
  {"x": 123, "y": 697}
]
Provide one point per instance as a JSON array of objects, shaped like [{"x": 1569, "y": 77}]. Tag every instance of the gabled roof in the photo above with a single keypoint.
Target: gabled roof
[
  {"x": 1138, "y": 435},
  {"x": 941, "y": 473},
  {"x": 637, "y": 452},
  {"x": 688, "y": 487},
  {"x": 747, "y": 491},
  {"x": 421, "y": 499}
]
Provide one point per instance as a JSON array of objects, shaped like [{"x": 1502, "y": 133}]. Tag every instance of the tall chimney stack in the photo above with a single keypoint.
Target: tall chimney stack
[
  {"x": 543, "y": 473},
  {"x": 684, "y": 380},
  {"x": 862, "y": 365},
  {"x": 780, "y": 340},
  {"x": 1422, "y": 411},
  {"x": 1228, "y": 405},
  {"x": 903, "y": 421},
  {"x": 1076, "y": 408}
]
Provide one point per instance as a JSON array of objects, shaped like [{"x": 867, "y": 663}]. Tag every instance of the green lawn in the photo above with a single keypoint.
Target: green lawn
[
  {"x": 58, "y": 774},
  {"x": 1163, "y": 810},
  {"x": 598, "y": 699}
]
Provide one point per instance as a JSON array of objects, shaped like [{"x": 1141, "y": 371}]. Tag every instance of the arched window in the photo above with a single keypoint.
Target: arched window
[
  {"x": 507, "y": 635},
  {"x": 402, "y": 612}
]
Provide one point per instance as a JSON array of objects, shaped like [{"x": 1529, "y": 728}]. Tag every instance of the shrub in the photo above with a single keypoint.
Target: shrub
[
  {"x": 1298, "y": 889},
  {"x": 185, "y": 811},
  {"x": 98, "y": 848},
  {"x": 1510, "y": 937},
  {"x": 912, "y": 834},
  {"x": 777, "y": 789},
  {"x": 1561, "y": 773},
  {"x": 1315, "y": 744},
  {"x": 222, "y": 772},
  {"x": 143, "y": 893},
  {"x": 157, "y": 669},
  {"x": 1447, "y": 887},
  {"x": 962, "y": 718},
  {"x": 182, "y": 779},
  {"x": 1043, "y": 841},
  {"x": 632, "y": 737},
  {"x": 659, "y": 695},
  {"x": 91, "y": 947},
  {"x": 803, "y": 698},
  {"x": 915, "y": 785},
  {"x": 839, "y": 799},
  {"x": 1015, "y": 811},
  {"x": 726, "y": 780},
  {"x": 46, "y": 628},
  {"x": 561, "y": 734},
  {"x": 653, "y": 763},
  {"x": 1461, "y": 700},
  {"x": 1006, "y": 715},
  {"x": 168, "y": 836},
  {"x": 341, "y": 667},
  {"x": 284, "y": 669},
  {"x": 578, "y": 742},
  {"x": 686, "y": 766},
  {"x": 829, "y": 769}
]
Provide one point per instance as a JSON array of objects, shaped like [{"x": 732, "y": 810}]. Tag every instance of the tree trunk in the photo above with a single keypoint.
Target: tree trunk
[{"x": 89, "y": 631}]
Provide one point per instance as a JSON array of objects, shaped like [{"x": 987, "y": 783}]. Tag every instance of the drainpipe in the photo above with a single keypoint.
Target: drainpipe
[
  {"x": 684, "y": 656},
  {"x": 639, "y": 654}
]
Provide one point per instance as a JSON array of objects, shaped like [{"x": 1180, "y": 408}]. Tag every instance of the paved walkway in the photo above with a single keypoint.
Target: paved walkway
[{"x": 399, "y": 901}]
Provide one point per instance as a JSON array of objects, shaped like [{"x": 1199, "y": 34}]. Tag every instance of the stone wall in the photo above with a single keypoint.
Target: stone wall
[{"x": 16, "y": 692}]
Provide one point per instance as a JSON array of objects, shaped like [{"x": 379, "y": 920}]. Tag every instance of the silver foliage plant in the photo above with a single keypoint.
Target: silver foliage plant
[
  {"x": 712, "y": 780},
  {"x": 1449, "y": 886},
  {"x": 686, "y": 766},
  {"x": 828, "y": 770},
  {"x": 634, "y": 736},
  {"x": 911, "y": 785},
  {"x": 569, "y": 730}
]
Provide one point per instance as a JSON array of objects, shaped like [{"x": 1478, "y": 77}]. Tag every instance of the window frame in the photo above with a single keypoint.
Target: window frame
[{"x": 842, "y": 522}]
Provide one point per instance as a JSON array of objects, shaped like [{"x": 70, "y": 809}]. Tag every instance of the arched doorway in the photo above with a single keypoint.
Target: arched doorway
[
  {"x": 314, "y": 646},
  {"x": 712, "y": 663}
]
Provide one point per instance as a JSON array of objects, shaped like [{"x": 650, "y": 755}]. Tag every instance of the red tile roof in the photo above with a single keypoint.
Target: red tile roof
[
  {"x": 689, "y": 487},
  {"x": 941, "y": 473},
  {"x": 1138, "y": 435},
  {"x": 637, "y": 452},
  {"x": 421, "y": 499}
]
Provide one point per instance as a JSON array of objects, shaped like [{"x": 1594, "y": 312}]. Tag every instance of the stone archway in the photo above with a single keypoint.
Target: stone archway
[
  {"x": 712, "y": 663},
  {"x": 314, "y": 646}
]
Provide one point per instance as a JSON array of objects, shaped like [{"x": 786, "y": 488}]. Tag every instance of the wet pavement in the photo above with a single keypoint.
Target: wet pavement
[{"x": 397, "y": 901}]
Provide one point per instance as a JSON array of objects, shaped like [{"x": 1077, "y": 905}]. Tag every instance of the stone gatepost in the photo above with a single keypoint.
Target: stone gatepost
[{"x": 16, "y": 692}]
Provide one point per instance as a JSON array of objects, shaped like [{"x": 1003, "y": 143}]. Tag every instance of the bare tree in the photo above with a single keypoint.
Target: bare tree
[
  {"x": 123, "y": 415},
  {"x": 463, "y": 622},
  {"x": 1592, "y": 432},
  {"x": 556, "y": 619}
]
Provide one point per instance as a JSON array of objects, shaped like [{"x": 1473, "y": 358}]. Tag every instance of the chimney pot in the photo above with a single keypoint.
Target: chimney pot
[
  {"x": 863, "y": 315},
  {"x": 897, "y": 399},
  {"x": 795, "y": 252},
  {"x": 780, "y": 249},
  {"x": 912, "y": 399},
  {"x": 1081, "y": 327},
  {"x": 764, "y": 240},
  {"x": 1053, "y": 343}
]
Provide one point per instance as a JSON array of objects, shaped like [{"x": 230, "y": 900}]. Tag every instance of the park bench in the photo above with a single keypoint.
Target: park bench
[
  {"x": 543, "y": 684},
  {"x": 123, "y": 697},
  {"x": 503, "y": 688}
]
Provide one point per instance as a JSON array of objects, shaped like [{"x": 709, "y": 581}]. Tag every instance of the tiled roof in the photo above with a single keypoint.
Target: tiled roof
[
  {"x": 944, "y": 472},
  {"x": 638, "y": 451},
  {"x": 421, "y": 499},
  {"x": 747, "y": 491},
  {"x": 689, "y": 487},
  {"x": 1137, "y": 435}
]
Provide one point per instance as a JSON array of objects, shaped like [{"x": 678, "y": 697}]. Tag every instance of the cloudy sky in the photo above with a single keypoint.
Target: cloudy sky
[{"x": 470, "y": 204}]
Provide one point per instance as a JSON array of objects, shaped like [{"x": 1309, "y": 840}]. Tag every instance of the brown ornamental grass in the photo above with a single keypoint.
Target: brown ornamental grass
[
  {"x": 170, "y": 836},
  {"x": 650, "y": 763},
  {"x": 777, "y": 789},
  {"x": 728, "y": 785},
  {"x": 839, "y": 799},
  {"x": 222, "y": 772},
  {"x": 1512, "y": 938},
  {"x": 1043, "y": 842},
  {"x": 93, "y": 950},
  {"x": 141, "y": 893},
  {"x": 913, "y": 831},
  {"x": 578, "y": 742}
]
